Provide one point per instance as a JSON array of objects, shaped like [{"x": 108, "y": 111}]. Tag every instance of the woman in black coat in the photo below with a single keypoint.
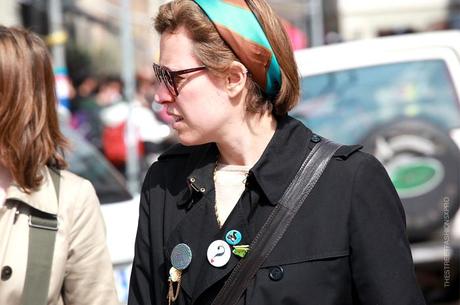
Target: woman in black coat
[{"x": 228, "y": 78}]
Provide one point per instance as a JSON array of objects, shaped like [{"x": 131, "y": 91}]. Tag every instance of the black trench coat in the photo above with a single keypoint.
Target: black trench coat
[{"x": 346, "y": 245}]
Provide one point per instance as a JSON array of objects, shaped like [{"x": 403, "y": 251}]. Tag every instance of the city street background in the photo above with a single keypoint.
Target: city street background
[{"x": 382, "y": 91}]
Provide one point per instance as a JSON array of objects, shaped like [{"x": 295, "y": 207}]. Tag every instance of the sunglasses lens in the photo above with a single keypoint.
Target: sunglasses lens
[
  {"x": 164, "y": 76},
  {"x": 169, "y": 82},
  {"x": 157, "y": 76}
]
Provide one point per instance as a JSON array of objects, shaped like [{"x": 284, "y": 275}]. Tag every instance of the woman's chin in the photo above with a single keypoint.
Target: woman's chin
[{"x": 190, "y": 140}]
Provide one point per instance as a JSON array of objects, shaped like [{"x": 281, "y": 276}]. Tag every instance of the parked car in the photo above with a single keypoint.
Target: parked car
[
  {"x": 119, "y": 207},
  {"x": 399, "y": 97}
]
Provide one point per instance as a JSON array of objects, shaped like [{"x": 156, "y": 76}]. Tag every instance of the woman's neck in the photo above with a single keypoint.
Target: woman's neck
[{"x": 244, "y": 145}]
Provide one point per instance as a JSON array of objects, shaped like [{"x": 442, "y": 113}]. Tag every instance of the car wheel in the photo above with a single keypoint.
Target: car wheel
[{"x": 423, "y": 163}]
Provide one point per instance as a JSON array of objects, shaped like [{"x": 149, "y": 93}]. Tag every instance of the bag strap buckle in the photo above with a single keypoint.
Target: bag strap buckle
[{"x": 43, "y": 223}]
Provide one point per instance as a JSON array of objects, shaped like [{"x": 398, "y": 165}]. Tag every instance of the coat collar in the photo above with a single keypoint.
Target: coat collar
[
  {"x": 201, "y": 164},
  {"x": 272, "y": 172},
  {"x": 43, "y": 199},
  {"x": 280, "y": 161}
]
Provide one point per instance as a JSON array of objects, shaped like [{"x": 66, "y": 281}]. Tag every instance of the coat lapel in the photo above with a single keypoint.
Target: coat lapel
[
  {"x": 198, "y": 225},
  {"x": 198, "y": 228},
  {"x": 210, "y": 275},
  {"x": 195, "y": 229}
]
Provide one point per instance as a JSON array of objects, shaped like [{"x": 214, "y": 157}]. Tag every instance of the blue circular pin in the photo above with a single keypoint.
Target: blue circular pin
[
  {"x": 233, "y": 237},
  {"x": 181, "y": 256}
]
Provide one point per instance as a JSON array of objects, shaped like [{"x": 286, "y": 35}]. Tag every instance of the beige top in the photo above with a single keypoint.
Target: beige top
[
  {"x": 81, "y": 273},
  {"x": 229, "y": 182}
]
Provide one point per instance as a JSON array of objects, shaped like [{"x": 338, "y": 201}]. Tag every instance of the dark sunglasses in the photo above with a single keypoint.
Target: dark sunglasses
[{"x": 168, "y": 77}]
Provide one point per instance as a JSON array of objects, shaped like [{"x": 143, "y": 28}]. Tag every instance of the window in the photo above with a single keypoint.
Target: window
[{"x": 346, "y": 105}]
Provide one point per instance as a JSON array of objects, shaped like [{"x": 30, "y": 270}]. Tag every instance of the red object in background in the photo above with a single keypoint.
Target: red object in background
[
  {"x": 113, "y": 143},
  {"x": 299, "y": 39}
]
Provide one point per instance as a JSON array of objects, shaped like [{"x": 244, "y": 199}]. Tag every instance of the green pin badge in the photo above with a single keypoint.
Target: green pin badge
[{"x": 240, "y": 250}]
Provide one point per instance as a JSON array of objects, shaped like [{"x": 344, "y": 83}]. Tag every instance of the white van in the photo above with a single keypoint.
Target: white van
[{"x": 399, "y": 97}]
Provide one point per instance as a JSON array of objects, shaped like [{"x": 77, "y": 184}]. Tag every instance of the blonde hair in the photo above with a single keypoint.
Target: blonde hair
[{"x": 214, "y": 53}]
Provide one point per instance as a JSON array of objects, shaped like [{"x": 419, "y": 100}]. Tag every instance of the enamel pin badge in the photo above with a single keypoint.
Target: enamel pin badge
[{"x": 219, "y": 253}]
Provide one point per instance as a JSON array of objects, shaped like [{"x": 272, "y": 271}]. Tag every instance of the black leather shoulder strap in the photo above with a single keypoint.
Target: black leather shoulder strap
[{"x": 277, "y": 223}]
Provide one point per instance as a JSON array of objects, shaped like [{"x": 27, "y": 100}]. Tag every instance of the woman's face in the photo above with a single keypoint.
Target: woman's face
[{"x": 202, "y": 110}]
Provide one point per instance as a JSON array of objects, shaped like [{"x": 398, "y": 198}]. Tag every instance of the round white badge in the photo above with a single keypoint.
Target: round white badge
[{"x": 219, "y": 253}]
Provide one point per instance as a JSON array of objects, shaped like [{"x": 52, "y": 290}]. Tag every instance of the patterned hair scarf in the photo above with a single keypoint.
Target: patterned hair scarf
[{"x": 239, "y": 28}]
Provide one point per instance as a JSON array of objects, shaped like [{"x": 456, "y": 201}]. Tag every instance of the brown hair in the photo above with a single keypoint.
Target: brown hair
[
  {"x": 214, "y": 53},
  {"x": 30, "y": 137}
]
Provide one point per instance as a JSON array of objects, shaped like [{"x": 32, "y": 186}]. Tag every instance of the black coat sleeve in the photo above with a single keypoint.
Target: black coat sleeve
[
  {"x": 140, "y": 285},
  {"x": 381, "y": 260}
]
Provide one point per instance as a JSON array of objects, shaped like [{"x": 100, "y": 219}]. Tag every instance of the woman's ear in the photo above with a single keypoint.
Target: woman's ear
[{"x": 236, "y": 78}]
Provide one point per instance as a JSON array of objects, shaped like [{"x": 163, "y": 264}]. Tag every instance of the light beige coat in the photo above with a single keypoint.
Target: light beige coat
[{"x": 82, "y": 269}]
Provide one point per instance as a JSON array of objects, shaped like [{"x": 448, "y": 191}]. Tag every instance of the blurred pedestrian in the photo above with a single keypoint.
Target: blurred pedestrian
[
  {"x": 95, "y": 99},
  {"x": 148, "y": 133},
  {"x": 218, "y": 223},
  {"x": 83, "y": 103},
  {"x": 52, "y": 236}
]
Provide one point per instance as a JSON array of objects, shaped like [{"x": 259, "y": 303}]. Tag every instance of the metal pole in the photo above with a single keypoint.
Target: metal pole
[
  {"x": 317, "y": 22},
  {"x": 127, "y": 71},
  {"x": 55, "y": 19},
  {"x": 57, "y": 38}
]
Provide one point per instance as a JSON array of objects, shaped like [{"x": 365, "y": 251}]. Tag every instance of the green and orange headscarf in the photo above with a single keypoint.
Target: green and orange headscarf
[{"x": 239, "y": 28}]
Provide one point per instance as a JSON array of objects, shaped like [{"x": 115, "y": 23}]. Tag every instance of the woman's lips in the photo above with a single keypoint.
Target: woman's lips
[{"x": 176, "y": 118}]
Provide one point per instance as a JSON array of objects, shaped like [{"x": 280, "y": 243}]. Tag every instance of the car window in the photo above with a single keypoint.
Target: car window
[
  {"x": 87, "y": 162},
  {"x": 346, "y": 105}
]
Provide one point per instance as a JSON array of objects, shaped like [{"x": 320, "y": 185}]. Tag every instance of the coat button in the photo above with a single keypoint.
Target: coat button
[
  {"x": 315, "y": 138},
  {"x": 6, "y": 273},
  {"x": 276, "y": 273}
]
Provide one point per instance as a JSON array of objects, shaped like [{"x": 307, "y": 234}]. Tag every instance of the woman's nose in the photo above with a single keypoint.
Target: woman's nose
[{"x": 162, "y": 95}]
